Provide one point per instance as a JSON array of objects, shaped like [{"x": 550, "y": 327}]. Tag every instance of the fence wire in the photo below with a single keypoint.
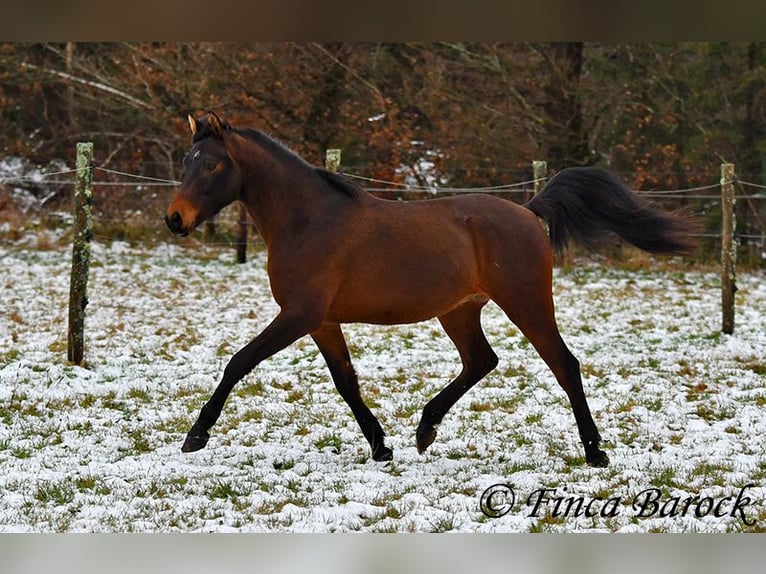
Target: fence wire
[
  {"x": 392, "y": 186},
  {"x": 140, "y": 181}
]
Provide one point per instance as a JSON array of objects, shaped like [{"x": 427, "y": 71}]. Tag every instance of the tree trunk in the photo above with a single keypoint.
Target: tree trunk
[{"x": 567, "y": 140}]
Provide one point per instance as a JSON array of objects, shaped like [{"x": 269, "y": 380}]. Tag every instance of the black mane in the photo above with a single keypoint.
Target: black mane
[{"x": 337, "y": 181}]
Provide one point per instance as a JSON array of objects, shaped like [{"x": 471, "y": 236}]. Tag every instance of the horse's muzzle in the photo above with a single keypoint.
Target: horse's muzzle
[{"x": 175, "y": 224}]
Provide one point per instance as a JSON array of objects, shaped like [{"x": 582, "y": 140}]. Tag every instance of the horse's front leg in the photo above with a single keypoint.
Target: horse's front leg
[{"x": 286, "y": 328}]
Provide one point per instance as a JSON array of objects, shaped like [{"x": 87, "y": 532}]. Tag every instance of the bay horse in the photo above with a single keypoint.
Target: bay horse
[{"x": 337, "y": 254}]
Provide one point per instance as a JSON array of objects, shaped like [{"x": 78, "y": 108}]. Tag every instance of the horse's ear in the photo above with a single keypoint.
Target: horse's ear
[
  {"x": 193, "y": 124},
  {"x": 217, "y": 126}
]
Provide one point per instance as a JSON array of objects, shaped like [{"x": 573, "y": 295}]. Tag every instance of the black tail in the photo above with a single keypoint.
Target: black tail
[{"x": 586, "y": 205}]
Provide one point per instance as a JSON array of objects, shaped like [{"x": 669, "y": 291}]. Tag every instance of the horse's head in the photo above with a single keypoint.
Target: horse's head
[{"x": 211, "y": 179}]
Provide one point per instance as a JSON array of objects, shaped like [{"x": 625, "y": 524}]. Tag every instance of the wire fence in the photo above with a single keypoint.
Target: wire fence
[
  {"x": 748, "y": 192},
  {"x": 388, "y": 186}
]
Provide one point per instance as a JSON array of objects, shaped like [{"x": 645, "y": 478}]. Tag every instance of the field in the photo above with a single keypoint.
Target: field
[{"x": 680, "y": 406}]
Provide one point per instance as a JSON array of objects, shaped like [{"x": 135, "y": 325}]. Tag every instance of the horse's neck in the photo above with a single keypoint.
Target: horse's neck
[{"x": 280, "y": 195}]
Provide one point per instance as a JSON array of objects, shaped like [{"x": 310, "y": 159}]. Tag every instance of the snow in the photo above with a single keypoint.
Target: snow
[
  {"x": 29, "y": 183},
  {"x": 97, "y": 448}
]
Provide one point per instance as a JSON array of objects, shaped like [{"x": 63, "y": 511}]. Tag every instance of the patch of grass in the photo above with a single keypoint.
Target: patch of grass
[
  {"x": 282, "y": 385},
  {"x": 416, "y": 386},
  {"x": 714, "y": 337},
  {"x": 196, "y": 391},
  {"x": 650, "y": 363},
  {"x": 589, "y": 370},
  {"x": 533, "y": 418},
  {"x": 688, "y": 371},
  {"x": 87, "y": 401},
  {"x": 58, "y": 346},
  {"x": 652, "y": 404},
  {"x": 392, "y": 511},
  {"x": 9, "y": 356},
  {"x": 572, "y": 460},
  {"x": 456, "y": 454},
  {"x": 140, "y": 394},
  {"x": 508, "y": 404},
  {"x": 716, "y": 413},
  {"x": 625, "y": 406},
  {"x": 711, "y": 472},
  {"x": 444, "y": 523},
  {"x": 665, "y": 478},
  {"x": 354, "y": 350},
  {"x": 283, "y": 464},
  {"x": 60, "y": 405},
  {"x": 546, "y": 523},
  {"x": 698, "y": 392},
  {"x": 31, "y": 410},
  {"x": 406, "y": 411},
  {"x": 224, "y": 490},
  {"x": 512, "y": 371},
  {"x": 21, "y": 452},
  {"x": 393, "y": 469},
  {"x": 224, "y": 350},
  {"x": 756, "y": 366},
  {"x": 140, "y": 443},
  {"x": 61, "y": 492},
  {"x": 176, "y": 424},
  {"x": 480, "y": 406},
  {"x": 110, "y": 401},
  {"x": 93, "y": 484},
  {"x": 676, "y": 438},
  {"x": 331, "y": 441},
  {"x": 251, "y": 415}
]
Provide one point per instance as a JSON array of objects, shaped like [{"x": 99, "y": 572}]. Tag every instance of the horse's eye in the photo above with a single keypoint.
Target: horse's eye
[{"x": 210, "y": 166}]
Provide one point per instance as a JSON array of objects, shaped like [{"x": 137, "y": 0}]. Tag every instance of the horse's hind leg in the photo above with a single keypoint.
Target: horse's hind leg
[
  {"x": 333, "y": 347},
  {"x": 463, "y": 326},
  {"x": 532, "y": 311}
]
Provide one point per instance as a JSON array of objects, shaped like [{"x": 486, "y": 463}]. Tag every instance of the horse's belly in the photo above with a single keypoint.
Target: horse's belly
[{"x": 383, "y": 300}]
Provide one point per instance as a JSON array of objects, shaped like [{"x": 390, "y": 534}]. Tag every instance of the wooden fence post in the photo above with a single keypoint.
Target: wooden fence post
[
  {"x": 728, "y": 248},
  {"x": 208, "y": 228},
  {"x": 332, "y": 159},
  {"x": 83, "y": 234},
  {"x": 242, "y": 234},
  {"x": 539, "y": 173}
]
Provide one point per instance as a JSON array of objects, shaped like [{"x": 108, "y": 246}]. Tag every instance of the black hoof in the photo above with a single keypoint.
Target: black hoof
[
  {"x": 382, "y": 454},
  {"x": 195, "y": 442},
  {"x": 599, "y": 459},
  {"x": 424, "y": 438}
]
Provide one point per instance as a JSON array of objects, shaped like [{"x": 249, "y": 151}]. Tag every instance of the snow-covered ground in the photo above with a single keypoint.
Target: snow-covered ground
[{"x": 681, "y": 407}]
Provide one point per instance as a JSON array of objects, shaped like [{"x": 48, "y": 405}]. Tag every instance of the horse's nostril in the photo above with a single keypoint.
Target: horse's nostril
[{"x": 173, "y": 222}]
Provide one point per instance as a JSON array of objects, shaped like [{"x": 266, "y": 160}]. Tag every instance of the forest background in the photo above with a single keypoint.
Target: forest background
[{"x": 664, "y": 116}]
